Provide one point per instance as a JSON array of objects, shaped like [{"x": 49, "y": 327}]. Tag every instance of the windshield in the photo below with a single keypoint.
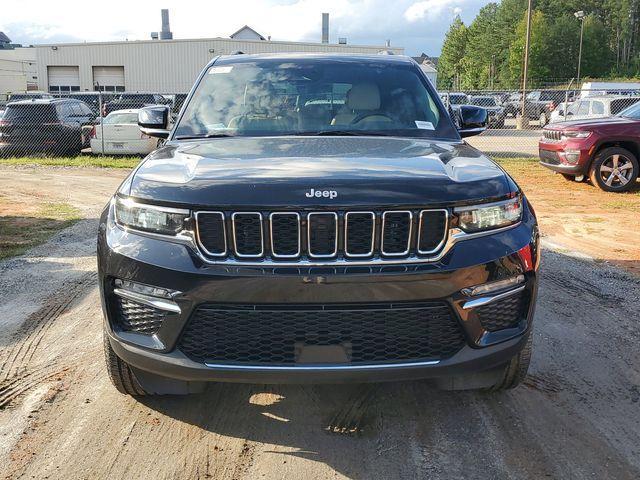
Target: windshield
[
  {"x": 31, "y": 113},
  {"x": 484, "y": 101},
  {"x": 631, "y": 112},
  {"x": 311, "y": 96}
]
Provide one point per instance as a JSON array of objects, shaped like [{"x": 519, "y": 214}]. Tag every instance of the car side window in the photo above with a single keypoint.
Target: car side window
[
  {"x": 64, "y": 111},
  {"x": 583, "y": 108},
  {"x": 597, "y": 108}
]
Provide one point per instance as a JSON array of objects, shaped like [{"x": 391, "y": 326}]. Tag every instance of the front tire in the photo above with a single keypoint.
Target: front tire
[
  {"x": 516, "y": 370},
  {"x": 614, "y": 169},
  {"x": 129, "y": 380},
  {"x": 120, "y": 372}
]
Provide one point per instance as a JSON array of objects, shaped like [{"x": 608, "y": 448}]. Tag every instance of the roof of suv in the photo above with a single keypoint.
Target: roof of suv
[
  {"x": 240, "y": 58},
  {"x": 43, "y": 101},
  {"x": 608, "y": 98}
]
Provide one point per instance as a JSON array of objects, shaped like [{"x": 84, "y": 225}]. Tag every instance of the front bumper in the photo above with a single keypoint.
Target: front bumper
[
  {"x": 150, "y": 261},
  {"x": 570, "y": 156}
]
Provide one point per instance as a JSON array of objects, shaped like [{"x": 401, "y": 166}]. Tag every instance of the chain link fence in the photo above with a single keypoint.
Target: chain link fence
[
  {"x": 105, "y": 123},
  {"x": 516, "y": 118},
  {"x": 74, "y": 123}
]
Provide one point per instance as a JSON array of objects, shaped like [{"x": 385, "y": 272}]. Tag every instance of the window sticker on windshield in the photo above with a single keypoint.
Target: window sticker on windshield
[
  {"x": 424, "y": 125},
  {"x": 226, "y": 69}
]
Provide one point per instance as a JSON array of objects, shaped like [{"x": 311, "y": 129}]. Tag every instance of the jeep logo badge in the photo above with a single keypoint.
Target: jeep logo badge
[{"x": 321, "y": 193}]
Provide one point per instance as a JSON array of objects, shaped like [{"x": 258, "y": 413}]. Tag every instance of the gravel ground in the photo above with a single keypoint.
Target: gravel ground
[{"x": 576, "y": 416}]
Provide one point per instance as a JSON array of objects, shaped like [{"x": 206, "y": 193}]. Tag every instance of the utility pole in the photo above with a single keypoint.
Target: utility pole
[
  {"x": 580, "y": 16},
  {"x": 523, "y": 118}
]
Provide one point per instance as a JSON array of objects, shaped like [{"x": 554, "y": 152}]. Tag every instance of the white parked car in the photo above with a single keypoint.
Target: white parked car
[
  {"x": 122, "y": 135},
  {"x": 593, "y": 107}
]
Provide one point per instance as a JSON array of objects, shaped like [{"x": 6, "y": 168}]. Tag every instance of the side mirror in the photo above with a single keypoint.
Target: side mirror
[
  {"x": 154, "y": 121},
  {"x": 472, "y": 120}
]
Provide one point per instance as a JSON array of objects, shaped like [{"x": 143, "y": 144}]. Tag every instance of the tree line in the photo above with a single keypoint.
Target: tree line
[{"x": 489, "y": 52}]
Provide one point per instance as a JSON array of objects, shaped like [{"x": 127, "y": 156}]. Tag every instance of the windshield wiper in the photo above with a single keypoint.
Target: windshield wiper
[{"x": 205, "y": 135}]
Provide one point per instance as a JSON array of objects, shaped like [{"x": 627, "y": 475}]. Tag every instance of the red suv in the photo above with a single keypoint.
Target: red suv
[{"x": 605, "y": 149}]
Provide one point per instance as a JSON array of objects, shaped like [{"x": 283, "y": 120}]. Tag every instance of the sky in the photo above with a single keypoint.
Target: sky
[{"x": 419, "y": 26}]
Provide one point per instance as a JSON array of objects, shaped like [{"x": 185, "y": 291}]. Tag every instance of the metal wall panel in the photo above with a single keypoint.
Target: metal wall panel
[{"x": 166, "y": 66}]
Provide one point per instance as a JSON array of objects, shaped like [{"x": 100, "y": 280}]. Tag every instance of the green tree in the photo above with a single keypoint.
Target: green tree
[
  {"x": 453, "y": 51},
  {"x": 482, "y": 49},
  {"x": 539, "y": 71}
]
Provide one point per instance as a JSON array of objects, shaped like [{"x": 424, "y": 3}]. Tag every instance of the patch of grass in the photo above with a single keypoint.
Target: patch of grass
[
  {"x": 20, "y": 233},
  {"x": 79, "y": 161}
]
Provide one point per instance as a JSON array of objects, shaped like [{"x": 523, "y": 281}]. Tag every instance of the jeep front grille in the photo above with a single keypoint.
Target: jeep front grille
[
  {"x": 555, "y": 135},
  {"x": 321, "y": 236}
]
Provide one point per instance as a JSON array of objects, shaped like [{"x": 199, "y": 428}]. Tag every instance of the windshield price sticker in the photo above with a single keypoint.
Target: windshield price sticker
[{"x": 424, "y": 125}]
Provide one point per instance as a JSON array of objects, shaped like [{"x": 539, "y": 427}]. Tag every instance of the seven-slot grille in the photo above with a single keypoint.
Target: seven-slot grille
[
  {"x": 322, "y": 235},
  {"x": 552, "y": 135}
]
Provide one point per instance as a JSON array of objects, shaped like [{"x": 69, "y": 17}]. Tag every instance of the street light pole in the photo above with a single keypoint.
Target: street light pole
[{"x": 580, "y": 16}]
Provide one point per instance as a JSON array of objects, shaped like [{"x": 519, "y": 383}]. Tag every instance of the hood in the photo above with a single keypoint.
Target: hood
[
  {"x": 281, "y": 171},
  {"x": 593, "y": 123}
]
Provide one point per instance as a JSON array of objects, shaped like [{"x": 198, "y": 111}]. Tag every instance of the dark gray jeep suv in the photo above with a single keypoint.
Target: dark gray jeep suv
[{"x": 316, "y": 218}]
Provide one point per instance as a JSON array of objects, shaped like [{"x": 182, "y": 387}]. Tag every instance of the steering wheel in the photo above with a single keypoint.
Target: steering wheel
[{"x": 362, "y": 116}]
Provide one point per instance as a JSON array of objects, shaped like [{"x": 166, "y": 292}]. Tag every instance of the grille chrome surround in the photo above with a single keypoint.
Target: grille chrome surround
[
  {"x": 346, "y": 234},
  {"x": 198, "y": 215},
  {"x": 235, "y": 235},
  {"x": 382, "y": 234},
  {"x": 273, "y": 215},
  {"x": 444, "y": 236},
  {"x": 309, "y": 235},
  {"x": 451, "y": 236}
]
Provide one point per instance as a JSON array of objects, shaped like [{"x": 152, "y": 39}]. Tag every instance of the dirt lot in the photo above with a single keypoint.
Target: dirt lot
[
  {"x": 576, "y": 417},
  {"x": 578, "y": 216}
]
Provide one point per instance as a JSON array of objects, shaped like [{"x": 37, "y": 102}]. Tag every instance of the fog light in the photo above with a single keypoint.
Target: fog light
[
  {"x": 143, "y": 289},
  {"x": 572, "y": 156},
  {"x": 492, "y": 287}
]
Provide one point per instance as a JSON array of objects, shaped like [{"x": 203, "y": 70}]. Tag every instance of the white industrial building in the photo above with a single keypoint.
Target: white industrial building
[{"x": 162, "y": 64}]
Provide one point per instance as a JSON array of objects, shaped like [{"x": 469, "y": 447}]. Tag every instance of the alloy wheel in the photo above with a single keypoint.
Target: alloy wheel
[{"x": 616, "y": 171}]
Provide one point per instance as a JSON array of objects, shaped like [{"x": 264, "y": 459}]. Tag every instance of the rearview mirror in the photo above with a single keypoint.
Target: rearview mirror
[
  {"x": 471, "y": 120},
  {"x": 154, "y": 121}
]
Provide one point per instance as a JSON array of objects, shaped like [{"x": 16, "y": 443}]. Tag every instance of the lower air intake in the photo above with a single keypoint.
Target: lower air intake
[
  {"x": 138, "y": 318},
  {"x": 275, "y": 334}
]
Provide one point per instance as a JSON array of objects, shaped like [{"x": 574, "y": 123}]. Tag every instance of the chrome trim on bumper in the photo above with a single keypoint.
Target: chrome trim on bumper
[
  {"x": 320, "y": 368},
  {"x": 159, "y": 303},
  {"x": 479, "y": 302}
]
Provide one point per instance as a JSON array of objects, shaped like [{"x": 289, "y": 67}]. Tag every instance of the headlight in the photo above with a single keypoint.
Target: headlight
[
  {"x": 491, "y": 215},
  {"x": 150, "y": 218},
  {"x": 566, "y": 135}
]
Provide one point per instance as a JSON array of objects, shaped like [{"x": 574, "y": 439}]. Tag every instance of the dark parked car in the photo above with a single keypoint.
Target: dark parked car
[
  {"x": 45, "y": 126},
  {"x": 15, "y": 97},
  {"x": 490, "y": 104},
  {"x": 128, "y": 101},
  {"x": 513, "y": 105},
  {"x": 539, "y": 104},
  {"x": 92, "y": 99},
  {"x": 604, "y": 149},
  {"x": 271, "y": 241}
]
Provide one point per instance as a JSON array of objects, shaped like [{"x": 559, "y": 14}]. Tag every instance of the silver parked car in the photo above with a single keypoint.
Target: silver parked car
[{"x": 593, "y": 107}]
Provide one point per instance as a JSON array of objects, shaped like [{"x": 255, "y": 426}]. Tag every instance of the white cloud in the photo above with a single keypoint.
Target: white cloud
[
  {"x": 429, "y": 9},
  {"x": 418, "y": 26}
]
